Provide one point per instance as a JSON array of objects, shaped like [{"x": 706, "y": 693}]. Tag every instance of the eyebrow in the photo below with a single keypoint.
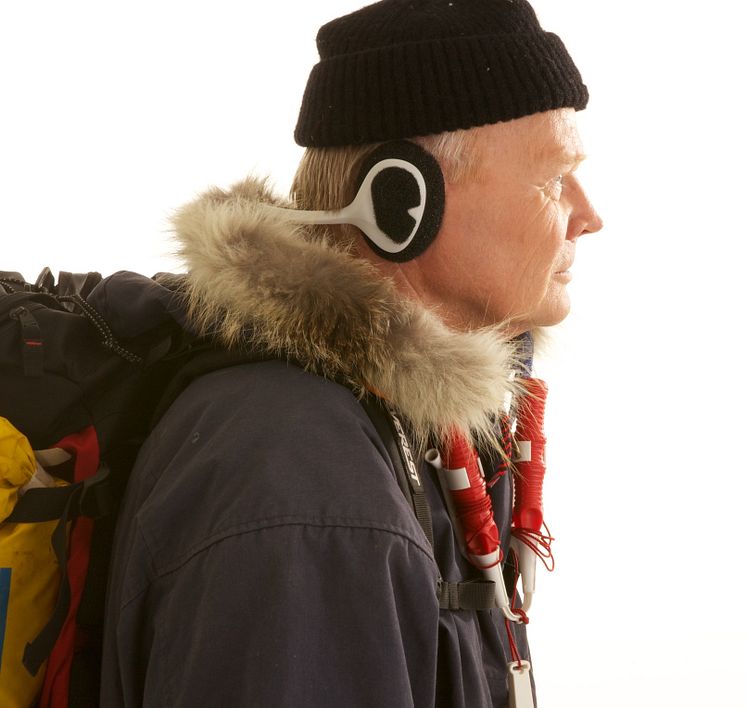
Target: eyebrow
[
  {"x": 568, "y": 158},
  {"x": 560, "y": 156}
]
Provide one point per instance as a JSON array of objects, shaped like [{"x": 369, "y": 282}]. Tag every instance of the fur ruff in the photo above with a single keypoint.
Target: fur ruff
[{"x": 271, "y": 284}]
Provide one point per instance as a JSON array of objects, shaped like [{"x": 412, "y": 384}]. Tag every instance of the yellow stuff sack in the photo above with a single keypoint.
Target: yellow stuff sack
[{"x": 29, "y": 571}]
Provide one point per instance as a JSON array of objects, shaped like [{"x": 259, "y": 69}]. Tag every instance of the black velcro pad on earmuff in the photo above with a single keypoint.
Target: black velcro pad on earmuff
[{"x": 395, "y": 190}]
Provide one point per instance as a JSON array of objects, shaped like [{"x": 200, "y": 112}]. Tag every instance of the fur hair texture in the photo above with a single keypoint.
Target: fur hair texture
[{"x": 258, "y": 280}]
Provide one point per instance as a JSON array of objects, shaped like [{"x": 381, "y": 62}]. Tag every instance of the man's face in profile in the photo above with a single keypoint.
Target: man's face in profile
[{"x": 509, "y": 233}]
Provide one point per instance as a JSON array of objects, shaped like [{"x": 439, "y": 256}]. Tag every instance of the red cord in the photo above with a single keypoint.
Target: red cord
[
  {"x": 539, "y": 543},
  {"x": 506, "y": 444},
  {"x": 516, "y": 610},
  {"x": 513, "y": 648}
]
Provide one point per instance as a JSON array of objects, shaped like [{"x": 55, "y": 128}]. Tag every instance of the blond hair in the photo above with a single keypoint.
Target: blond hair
[{"x": 326, "y": 177}]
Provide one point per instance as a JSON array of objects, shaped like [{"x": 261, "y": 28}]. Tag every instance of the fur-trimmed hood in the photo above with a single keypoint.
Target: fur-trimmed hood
[{"x": 273, "y": 285}]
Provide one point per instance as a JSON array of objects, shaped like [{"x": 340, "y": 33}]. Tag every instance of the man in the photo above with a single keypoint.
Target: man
[{"x": 266, "y": 554}]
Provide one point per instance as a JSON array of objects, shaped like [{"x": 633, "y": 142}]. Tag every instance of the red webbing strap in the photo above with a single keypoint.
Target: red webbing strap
[{"x": 83, "y": 446}]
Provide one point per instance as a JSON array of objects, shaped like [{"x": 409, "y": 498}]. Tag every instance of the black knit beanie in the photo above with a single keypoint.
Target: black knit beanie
[{"x": 403, "y": 68}]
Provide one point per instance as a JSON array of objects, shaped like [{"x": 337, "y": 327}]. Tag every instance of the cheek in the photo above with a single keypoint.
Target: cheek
[
  {"x": 529, "y": 240},
  {"x": 545, "y": 238},
  {"x": 537, "y": 248},
  {"x": 470, "y": 236}
]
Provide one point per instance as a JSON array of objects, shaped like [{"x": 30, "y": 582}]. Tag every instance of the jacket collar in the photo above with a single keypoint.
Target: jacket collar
[{"x": 274, "y": 286}]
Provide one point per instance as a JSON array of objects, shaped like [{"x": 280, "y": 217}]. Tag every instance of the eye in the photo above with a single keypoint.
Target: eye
[{"x": 554, "y": 187}]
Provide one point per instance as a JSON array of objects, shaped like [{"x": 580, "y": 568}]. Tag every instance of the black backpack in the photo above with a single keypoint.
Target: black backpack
[{"x": 84, "y": 364}]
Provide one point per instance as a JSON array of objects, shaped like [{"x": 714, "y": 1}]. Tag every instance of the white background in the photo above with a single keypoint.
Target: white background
[{"x": 112, "y": 114}]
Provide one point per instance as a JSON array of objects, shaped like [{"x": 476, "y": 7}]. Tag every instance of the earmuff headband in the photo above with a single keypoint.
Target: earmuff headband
[
  {"x": 399, "y": 203},
  {"x": 361, "y": 211}
]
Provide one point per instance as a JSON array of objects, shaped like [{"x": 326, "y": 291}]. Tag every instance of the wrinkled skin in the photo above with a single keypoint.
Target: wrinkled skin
[{"x": 509, "y": 232}]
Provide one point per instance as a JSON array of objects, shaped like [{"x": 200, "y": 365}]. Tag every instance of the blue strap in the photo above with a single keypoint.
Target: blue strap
[{"x": 5, "y": 574}]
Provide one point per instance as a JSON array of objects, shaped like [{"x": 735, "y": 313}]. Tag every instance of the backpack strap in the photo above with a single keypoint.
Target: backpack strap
[
  {"x": 466, "y": 595},
  {"x": 394, "y": 438},
  {"x": 203, "y": 359},
  {"x": 89, "y": 497}
]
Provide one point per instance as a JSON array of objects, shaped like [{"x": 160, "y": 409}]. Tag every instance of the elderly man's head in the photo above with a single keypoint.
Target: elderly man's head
[
  {"x": 492, "y": 96},
  {"x": 509, "y": 231}
]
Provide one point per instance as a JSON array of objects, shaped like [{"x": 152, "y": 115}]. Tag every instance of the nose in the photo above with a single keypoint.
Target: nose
[
  {"x": 595, "y": 223},
  {"x": 585, "y": 219}
]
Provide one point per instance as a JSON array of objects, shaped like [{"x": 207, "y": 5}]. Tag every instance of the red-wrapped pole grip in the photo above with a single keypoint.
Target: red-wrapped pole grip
[
  {"x": 471, "y": 501},
  {"x": 528, "y": 512}
]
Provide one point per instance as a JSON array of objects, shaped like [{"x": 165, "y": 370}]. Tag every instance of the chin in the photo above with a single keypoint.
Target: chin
[{"x": 552, "y": 311}]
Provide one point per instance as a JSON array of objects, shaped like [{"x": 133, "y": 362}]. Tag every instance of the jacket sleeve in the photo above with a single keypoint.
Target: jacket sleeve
[
  {"x": 292, "y": 613},
  {"x": 265, "y": 556}
]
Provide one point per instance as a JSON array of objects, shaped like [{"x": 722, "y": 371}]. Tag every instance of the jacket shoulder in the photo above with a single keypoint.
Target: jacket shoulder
[{"x": 260, "y": 445}]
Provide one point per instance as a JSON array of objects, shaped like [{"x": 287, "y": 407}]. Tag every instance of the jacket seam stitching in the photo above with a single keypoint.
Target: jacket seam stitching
[{"x": 271, "y": 523}]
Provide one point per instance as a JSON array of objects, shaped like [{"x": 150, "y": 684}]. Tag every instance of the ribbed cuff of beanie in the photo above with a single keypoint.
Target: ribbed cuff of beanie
[{"x": 437, "y": 85}]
